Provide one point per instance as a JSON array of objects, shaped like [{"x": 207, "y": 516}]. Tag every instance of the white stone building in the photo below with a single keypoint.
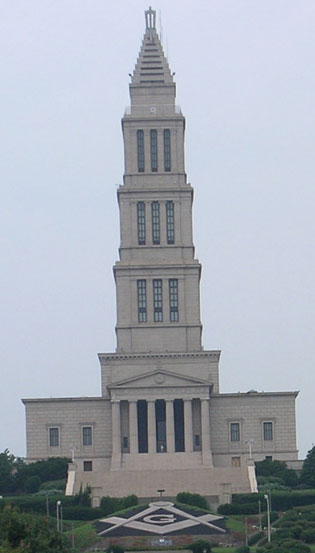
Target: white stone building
[{"x": 160, "y": 422}]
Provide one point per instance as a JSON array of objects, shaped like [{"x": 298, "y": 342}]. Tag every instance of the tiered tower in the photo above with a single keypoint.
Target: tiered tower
[{"x": 160, "y": 379}]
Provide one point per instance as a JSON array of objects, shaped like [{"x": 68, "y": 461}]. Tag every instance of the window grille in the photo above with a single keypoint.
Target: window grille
[
  {"x": 173, "y": 290},
  {"x": 142, "y": 301},
  {"x": 167, "y": 149},
  {"x": 154, "y": 150},
  {"x": 141, "y": 222},
  {"x": 87, "y": 435},
  {"x": 155, "y": 206},
  {"x": 157, "y": 300},
  {"x": 170, "y": 231},
  {"x": 140, "y": 150},
  {"x": 268, "y": 431},
  {"x": 235, "y": 431}
]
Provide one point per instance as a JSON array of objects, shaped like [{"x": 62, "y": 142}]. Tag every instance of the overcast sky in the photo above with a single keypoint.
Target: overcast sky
[{"x": 246, "y": 85}]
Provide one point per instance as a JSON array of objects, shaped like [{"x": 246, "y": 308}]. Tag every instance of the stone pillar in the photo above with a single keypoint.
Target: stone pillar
[
  {"x": 170, "y": 428},
  {"x": 151, "y": 427},
  {"x": 133, "y": 427},
  {"x": 205, "y": 433},
  {"x": 116, "y": 437},
  {"x": 189, "y": 447}
]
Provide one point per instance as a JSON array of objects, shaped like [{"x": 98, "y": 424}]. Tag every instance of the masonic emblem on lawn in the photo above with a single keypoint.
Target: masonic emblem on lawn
[{"x": 161, "y": 517}]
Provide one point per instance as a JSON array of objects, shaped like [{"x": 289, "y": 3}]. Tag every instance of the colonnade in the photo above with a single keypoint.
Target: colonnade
[{"x": 169, "y": 428}]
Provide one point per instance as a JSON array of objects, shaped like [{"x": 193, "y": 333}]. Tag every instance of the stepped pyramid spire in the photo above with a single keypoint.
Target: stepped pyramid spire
[{"x": 152, "y": 66}]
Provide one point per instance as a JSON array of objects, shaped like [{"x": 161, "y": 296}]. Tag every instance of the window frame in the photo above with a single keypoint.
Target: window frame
[
  {"x": 268, "y": 431},
  {"x": 167, "y": 150},
  {"x": 154, "y": 150},
  {"x": 140, "y": 151},
  {"x": 141, "y": 223},
  {"x": 158, "y": 300},
  {"x": 52, "y": 438},
  {"x": 142, "y": 300},
  {"x": 87, "y": 464},
  {"x": 235, "y": 432},
  {"x": 87, "y": 442},
  {"x": 156, "y": 222},
  {"x": 170, "y": 221},
  {"x": 173, "y": 299}
]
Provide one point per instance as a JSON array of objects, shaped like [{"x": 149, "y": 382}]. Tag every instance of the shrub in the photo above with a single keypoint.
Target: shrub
[
  {"x": 78, "y": 512},
  {"x": 243, "y": 549},
  {"x": 129, "y": 501},
  {"x": 308, "y": 535},
  {"x": 235, "y": 509},
  {"x": 109, "y": 505},
  {"x": 255, "y": 538},
  {"x": 192, "y": 499},
  {"x": 114, "y": 549},
  {"x": 32, "y": 484},
  {"x": 200, "y": 546},
  {"x": 273, "y": 517}
]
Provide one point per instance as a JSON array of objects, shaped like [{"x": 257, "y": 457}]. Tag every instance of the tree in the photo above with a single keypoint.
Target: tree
[
  {"x": 26, "y": 533},
  {"x": 6, "y": 470},
  {"x": 308, "y": 471},
  {"x": 32, "y": 484}
]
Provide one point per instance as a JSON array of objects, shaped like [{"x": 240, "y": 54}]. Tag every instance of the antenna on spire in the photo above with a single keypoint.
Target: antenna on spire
[
  {"x": 161, "y": 28},
  {"x": 150, "y": 16}
]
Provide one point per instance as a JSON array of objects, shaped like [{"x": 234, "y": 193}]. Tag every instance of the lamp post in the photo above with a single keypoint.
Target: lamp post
[
  {"x": 58, "y": 505},
  {"x": 259, "y": 515},
  {"x": 160, "y": 492},
  {"x": 250, "y": 443},
  {"x": 268, "y": 516}
]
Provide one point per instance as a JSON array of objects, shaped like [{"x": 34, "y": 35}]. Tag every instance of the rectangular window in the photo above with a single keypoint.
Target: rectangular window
[
  {"x": 268, "y": 431},
  {"x": 140, "y": 150},
  {"x": 87, "y": 435},
  {"x": 235, "y": 431},
  {"x": 157, "y": 301},
  {"x": 236, "y": 461},
  {"x": 142, "y": 301},
  {"x": 173, "y": 290},
  {"x": 154, "y": 150},
  {"x": 141, "y": 222},
  {"x": 87, "y": 466},
  {"x": 54, "y": 437},
  {"x": 170, "y": 232},
  {"x": 155, "y": 222},
  {"x": 167, "y": 149}
]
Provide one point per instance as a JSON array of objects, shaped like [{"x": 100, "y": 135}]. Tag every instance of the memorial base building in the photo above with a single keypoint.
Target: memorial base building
[{"x": 161, "y": 421}]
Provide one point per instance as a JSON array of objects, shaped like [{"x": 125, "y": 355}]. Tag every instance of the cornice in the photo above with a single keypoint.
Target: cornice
[{"x": 213, "y": 355}]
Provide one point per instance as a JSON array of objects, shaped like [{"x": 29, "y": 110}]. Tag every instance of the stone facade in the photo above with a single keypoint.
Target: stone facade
[{"x": 160, "y": 421}]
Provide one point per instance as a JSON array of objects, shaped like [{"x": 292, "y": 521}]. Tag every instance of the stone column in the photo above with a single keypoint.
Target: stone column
[
  {"x": 151, "y": 427},
  {"x": 189, "y": 447},
  {"x": 205, "y": 433},
  {"x": 116, "y": 437},
  {"x": 170, "y": 428},
  {"x": 133, "y": 427}
]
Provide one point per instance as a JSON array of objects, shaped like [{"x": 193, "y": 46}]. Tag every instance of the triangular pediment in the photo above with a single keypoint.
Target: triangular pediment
[{"x": 159, "y": 377}]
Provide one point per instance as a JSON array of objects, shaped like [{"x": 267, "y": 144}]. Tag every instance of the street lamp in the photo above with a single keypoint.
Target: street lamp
[
  {"x": 268, "y": 516},
  {"x": 250, "y": 443},
  {"x": 58, "y": 508}
]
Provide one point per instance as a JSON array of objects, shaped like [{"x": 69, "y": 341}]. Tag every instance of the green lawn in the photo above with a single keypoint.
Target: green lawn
[{"x": 84, "y": 535}]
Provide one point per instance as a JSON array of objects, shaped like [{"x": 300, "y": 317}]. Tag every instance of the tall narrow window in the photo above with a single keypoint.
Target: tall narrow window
[
  {"x": 54, "y": 437},
  {"x": 87, "y": 435},
  {"x": 235, "y": 431},
  {"x": 167, "y": 149},
  {"x": 157, "y": 300},
  {"x": 141, "y": 222},
  {"x": 142, "y": 301},
  {"x": 155, "y": 222},
  {"x": 268, "y": 431},
  {"x": 170, "y": 232},
  {"x": 140, "y": 150},
  {"x": 173, "y": 289},
  {"x": 154, "y": 150}
]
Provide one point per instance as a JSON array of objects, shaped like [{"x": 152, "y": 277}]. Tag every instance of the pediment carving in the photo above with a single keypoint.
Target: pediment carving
[{"x": 158, "y": 378}]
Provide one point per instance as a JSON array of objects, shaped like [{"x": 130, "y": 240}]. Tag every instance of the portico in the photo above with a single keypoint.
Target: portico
[{"x": 174, "y": 420}]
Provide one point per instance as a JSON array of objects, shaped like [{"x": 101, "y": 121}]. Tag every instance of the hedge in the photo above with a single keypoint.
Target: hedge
[
  {"x": 77, "y": 512},
  {"x": 280, "y": 500},
  {"x": 234, "y": 509}
]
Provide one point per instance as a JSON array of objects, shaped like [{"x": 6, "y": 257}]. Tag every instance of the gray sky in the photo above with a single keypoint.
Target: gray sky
[{"x": 246, "y": 84}]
